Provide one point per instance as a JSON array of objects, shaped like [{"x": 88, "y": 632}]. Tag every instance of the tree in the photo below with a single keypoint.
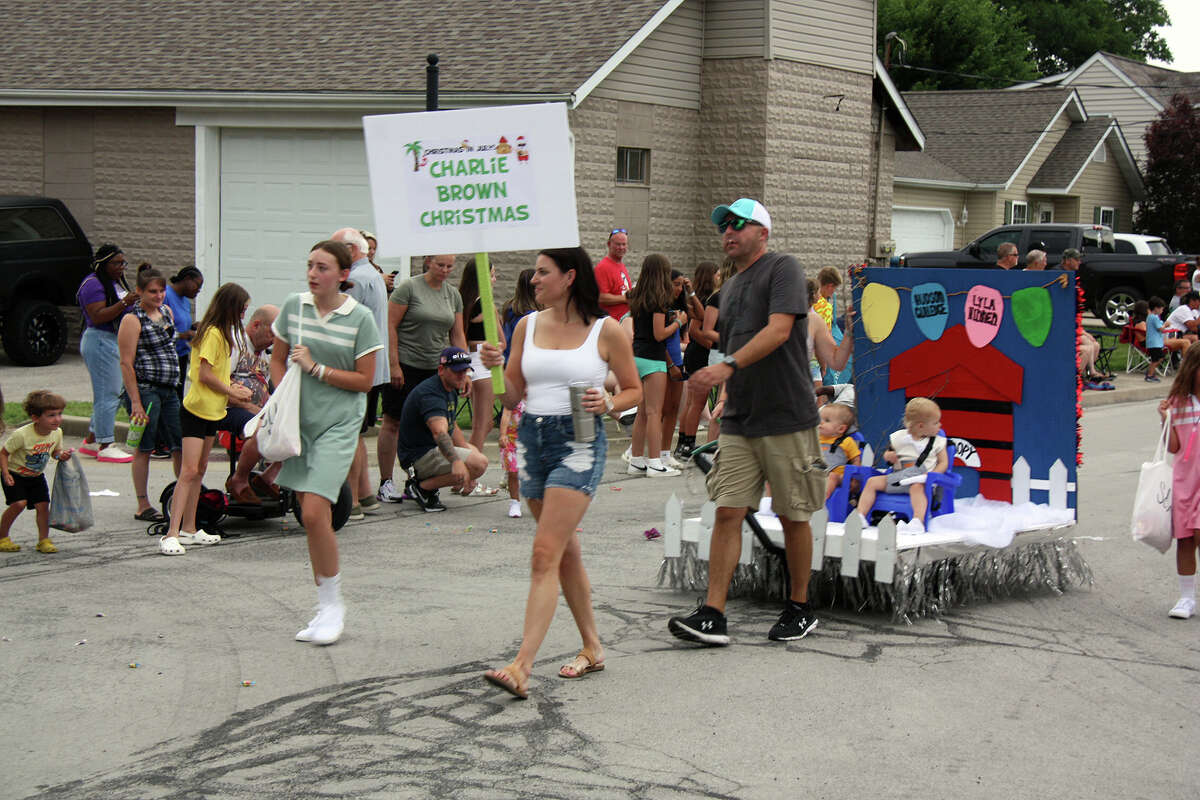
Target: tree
[
  {"x": 1009, "y": 41},
  {"x": 1172, "y": 175},
  {"x": 955, "y": 36},
  {"x": 1065, "y": 33}
]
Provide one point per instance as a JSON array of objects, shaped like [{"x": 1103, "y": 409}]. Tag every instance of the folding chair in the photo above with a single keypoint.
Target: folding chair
[
  {"x": 1108, "y": 345},
  {"x": 1136, "y": 357}
]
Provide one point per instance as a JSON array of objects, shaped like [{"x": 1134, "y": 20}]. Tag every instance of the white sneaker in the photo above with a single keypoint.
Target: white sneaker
[
  {"x": 199, "y": 537},
  {"x": 674, "y": 463},
  {"x": 170, "y": 546},
  {"x": 1184, "y": 609},
  {"x": 388, "y": 494},
  {"x": 514, "y": 508},
  {"x": 661, "y": 472},
  {"x": 634, "y": 469},
  {"x": 113, "y": 454},
  {"x": 307, "y": 634},
  {"x": 628, "y": 454},
  {"x": 327, "y": 626}
]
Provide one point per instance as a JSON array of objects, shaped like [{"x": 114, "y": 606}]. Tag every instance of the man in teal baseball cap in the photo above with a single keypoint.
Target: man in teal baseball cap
[
  {"x": 769, "y": 425},
  {"x": 745, "y": 210}
]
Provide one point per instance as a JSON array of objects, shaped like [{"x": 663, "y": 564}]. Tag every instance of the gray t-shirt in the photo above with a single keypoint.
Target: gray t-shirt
[
  {"x": 371, "y": 292},
  {"x": 425, "y": 330},
  {"x": 773, "y": 395}
]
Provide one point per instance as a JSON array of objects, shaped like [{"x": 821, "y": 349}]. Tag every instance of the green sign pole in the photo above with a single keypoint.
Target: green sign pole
[{"x": 483, "y": 272}]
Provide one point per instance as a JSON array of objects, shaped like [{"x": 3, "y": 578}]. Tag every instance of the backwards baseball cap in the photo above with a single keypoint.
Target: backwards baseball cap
[
  {"x": 455, "y": 358},
  {"x": 1071, "y": 252},
  {"x": 744, "y": 208}
]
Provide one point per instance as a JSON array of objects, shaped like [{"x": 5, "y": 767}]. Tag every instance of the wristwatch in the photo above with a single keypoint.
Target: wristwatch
[{"x": 731, "y": 361}]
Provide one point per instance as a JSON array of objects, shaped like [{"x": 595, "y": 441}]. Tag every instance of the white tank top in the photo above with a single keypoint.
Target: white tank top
[{"x": 548, "y": 373}]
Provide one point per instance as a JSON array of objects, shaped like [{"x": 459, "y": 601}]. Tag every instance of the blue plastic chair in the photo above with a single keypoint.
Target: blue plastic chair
[{"x": 939, "y": 494}]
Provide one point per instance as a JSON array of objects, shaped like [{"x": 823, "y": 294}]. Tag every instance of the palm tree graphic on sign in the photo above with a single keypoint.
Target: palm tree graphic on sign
[{"x": 415, "y": 149}]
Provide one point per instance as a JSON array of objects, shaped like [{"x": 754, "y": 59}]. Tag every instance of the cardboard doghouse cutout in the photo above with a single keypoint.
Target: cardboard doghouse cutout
[{"x": 995, "y": 349}]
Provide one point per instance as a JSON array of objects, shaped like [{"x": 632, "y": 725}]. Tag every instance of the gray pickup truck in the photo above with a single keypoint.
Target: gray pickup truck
[
  {"x": 1112, "y": 281},
  {"x": 44, "y": 256}
]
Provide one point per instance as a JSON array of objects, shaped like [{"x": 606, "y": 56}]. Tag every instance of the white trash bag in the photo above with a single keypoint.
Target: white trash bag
[
  {"x": 70, "y": 501},
  {"x": 278, "y": 424},
  {"x": 1151, "y": 521}
]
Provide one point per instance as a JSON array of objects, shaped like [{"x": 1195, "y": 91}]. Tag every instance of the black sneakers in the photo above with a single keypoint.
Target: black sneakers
[
  {"x": 426, "y": 499},
  {"x": 705, "y": 625},
  {"x": 684, "y": 447},
  {"x": 796, "y": 621}
]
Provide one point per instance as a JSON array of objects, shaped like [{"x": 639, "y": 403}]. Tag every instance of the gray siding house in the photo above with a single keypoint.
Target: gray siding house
[
  {"x": 229, "y": 134},
  {"x": 995, "y": 157}
]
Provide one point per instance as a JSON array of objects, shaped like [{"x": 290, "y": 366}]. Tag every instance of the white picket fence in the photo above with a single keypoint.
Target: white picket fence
[{"x": 848, "y": 541}]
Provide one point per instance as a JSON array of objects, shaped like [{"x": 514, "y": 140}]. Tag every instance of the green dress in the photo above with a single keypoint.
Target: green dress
[{"x": 330, "y": 418}]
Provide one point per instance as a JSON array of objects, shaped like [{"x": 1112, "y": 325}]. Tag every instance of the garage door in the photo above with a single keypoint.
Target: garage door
[
  {"x": 916, "y": 229},
  {"x": 281, "y": 192}
]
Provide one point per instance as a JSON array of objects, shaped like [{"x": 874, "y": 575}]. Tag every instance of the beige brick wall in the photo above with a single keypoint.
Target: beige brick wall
[
  {"x": 733, "y": 117},
  {"x": 21, "y": 151},
  {"x": 819, "y": 159},
  {"x": 145, "y": 193}
]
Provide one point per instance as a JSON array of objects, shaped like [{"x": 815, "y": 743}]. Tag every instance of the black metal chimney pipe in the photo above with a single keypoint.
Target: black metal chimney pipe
[{"x": 431, "y": 82}]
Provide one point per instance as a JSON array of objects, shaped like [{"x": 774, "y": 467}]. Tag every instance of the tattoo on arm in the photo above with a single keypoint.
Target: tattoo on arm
[{"x": 446, "y": 444}]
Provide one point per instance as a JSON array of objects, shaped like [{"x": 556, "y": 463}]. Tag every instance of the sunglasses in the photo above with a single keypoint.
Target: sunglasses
[
  {"x": 615, "y": 231},
  {"x": 737, "y": 223}
]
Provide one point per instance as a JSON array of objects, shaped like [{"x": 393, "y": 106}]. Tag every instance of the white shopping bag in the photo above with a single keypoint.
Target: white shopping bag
[
  {"x": 278, "y": 424},
  {"x": 1151, "y": 521}
]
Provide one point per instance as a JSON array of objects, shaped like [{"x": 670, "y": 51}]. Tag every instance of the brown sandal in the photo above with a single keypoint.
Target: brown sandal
[
  {"x": 581, "y": 665},
  {"x": 506, "y": 679}
]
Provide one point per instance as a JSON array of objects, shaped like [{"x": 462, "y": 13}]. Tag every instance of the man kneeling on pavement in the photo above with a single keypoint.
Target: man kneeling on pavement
[{"x": 430, "y": 443}]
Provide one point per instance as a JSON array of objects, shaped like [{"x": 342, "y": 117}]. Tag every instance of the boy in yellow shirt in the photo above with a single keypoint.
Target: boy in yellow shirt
[{"x": 23, "y": 461}]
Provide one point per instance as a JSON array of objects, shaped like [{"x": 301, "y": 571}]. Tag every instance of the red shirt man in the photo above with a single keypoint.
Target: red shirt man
[{"x": 612, "y": 276}]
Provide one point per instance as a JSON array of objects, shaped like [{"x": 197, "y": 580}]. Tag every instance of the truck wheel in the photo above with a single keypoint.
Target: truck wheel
[
  {"x": 35, "y": 333},
  {"x": 340, "y": 510},
  {"x": 1117, "y": 306}
]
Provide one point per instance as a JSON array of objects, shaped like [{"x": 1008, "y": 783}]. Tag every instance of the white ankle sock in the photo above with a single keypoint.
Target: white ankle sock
[
  {"x": 1187, "y": 586},
  {"x": 664, "y": 455},
  {"x": 637, "y": 461},
  {"x": 329, "y": 590}
]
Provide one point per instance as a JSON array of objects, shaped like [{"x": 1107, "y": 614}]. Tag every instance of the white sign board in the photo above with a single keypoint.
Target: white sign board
[{"x": 479, "y": 180}]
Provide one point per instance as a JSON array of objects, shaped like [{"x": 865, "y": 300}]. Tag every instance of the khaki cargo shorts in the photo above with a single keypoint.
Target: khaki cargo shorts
[
  {"x": 433, "y": 463},
  {"x": 790, "y": 462}
]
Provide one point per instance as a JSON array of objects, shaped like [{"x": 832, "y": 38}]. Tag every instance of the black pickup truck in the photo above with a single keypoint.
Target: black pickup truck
[
  {"x": 44, "y": 256},
  {"x": 1112, "y": 282}
]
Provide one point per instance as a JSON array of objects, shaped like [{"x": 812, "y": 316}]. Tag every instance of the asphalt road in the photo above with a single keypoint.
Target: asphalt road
[{"x": 1087, "y": 694}]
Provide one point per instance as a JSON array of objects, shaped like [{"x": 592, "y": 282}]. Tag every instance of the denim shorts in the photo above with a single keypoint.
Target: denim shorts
[
  {"x": 163, "y": 425},
  {"x": 548, "y": 456}
]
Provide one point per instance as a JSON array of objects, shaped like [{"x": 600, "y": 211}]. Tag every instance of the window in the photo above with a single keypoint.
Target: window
[
  {"x": 32, "y": 223},
  {"x": 633, "y": 165},
  {"x": 988, "y": 246},
  {"x": 1108, "y": 216},
  {"x": 1016, "y": 212},
  {"x": 1125, "y": 247},
  {"x": 1045, "y": 213},
  {"x": 1052, "y": 241}
]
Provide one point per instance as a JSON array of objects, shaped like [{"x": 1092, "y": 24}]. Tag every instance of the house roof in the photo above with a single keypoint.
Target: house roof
[
  {"x": 1157, "y": 84},
  {"x": 1161, "y": 83},
  {"x": 551, "y": 47},
  {"x": 985, "y": 135},
  {"x": 1067, "y": 161}
]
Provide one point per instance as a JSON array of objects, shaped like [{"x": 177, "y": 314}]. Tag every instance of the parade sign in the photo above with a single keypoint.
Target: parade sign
[{"x": 472, "y": 180}]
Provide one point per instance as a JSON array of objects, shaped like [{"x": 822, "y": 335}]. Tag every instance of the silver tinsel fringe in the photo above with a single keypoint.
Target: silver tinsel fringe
[{"x": 925, "y": 583}]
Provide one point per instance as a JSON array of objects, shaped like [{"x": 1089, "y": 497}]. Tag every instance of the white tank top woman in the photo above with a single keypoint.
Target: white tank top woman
[{"x": 549, "y": 373}]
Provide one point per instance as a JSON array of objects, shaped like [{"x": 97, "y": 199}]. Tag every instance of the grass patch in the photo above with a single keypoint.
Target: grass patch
[{"x": 15, "y": 416}]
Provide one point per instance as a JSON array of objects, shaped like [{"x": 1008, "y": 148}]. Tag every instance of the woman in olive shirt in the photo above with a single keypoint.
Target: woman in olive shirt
[{"x": 425, "y": 316}]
